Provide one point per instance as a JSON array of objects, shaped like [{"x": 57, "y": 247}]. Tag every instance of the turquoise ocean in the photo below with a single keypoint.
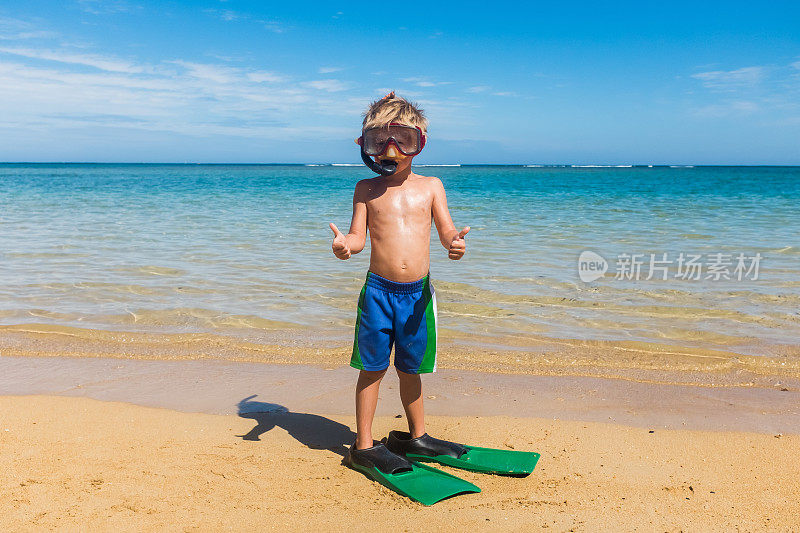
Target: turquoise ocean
[{"x": 244, "y": 250}]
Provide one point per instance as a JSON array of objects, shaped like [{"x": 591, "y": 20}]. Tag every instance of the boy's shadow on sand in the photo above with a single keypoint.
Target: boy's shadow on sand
[{"x": 316, "y": 432}]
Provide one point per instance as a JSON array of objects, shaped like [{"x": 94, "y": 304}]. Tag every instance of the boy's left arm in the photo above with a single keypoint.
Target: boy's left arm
[{"x": 449, "y": 236}]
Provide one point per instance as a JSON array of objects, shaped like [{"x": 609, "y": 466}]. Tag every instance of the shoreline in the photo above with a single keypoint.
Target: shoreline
[{"x": 513, "y": 355}]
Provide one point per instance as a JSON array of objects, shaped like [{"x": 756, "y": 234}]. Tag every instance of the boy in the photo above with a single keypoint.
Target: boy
[{"x": 397, "y": 304}]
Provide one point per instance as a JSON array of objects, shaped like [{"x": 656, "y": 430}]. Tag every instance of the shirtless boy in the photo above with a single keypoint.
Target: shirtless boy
[{"x": 397, "y": 304}]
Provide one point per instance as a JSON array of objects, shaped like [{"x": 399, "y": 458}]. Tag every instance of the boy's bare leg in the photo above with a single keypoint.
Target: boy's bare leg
[
  {"x": 411, "y": 396},
  {"x": 367, "y": 388}
]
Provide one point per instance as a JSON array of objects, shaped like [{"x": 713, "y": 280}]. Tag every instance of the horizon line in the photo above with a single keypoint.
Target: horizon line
[{"x": 526, "y": 165}]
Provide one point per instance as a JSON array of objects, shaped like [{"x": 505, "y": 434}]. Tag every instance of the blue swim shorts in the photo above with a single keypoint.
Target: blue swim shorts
[{"x": 403, "y": 314}]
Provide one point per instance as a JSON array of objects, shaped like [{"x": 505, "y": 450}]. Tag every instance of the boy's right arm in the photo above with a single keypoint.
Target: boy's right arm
[{"x": 352, "y": 243}]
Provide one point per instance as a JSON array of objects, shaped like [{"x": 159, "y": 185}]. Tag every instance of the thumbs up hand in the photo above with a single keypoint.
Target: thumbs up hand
[
  {"x": 339, "y": 246},
  {"x": 459, "y": 246}
]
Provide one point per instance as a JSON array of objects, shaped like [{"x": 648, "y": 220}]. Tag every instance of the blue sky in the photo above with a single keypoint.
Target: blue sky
[{"x": 238, "y": 81}]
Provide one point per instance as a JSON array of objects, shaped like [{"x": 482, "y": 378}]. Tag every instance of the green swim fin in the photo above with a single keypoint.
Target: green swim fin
[
  {"x": 486, "y": 460},
  {"x": 419, "y": 482}
]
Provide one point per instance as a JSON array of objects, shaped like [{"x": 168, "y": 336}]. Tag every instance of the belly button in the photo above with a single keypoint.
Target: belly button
[{"x": 403, "y": 267}]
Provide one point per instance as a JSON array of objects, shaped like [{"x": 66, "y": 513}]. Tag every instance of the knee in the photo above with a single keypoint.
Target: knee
[
  {"x": 405, "y": 376},
  {"x": 371, "y": 376}
]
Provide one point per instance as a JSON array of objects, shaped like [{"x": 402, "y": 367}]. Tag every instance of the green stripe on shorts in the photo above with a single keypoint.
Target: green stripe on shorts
[
  {"x": 429, "y": 359},
  {"x": 355, "y": 359}
]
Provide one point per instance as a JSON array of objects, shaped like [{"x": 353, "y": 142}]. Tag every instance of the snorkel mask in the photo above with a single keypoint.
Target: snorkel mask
[{"x": 376, "y": 142}]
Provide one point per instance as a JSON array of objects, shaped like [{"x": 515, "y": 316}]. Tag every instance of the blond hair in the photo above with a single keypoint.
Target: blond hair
[{"x": 392, "y": 108}]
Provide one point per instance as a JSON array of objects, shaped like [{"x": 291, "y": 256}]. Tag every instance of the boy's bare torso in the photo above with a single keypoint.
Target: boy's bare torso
[
  {"x": 399, "y": 222},
  {"x": 397, "y": 211}
]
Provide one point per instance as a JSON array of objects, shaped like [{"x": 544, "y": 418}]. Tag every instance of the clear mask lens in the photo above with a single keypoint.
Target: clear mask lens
[{"x": 407, "y": 139}]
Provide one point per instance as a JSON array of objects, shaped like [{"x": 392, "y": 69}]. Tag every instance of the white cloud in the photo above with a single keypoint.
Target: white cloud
[
  {"x": 768, "y": 91},
  {"x": 327, "y": 85},
  {"x": 227, "y": 15},
  {"x": 424, "y": 82},
  {"x": 50, "y": 92},
  {"x": 209, "y": 72},
  {"x": 732, "y": 79},
  {"x": 15, "y": 29},
  {"x": 272, "y": 25},
  {"x": 226, "y": 58},
  {"x": 383, "y": 91},
  {"x": 745, "y": 107},
  {"x": 30, "y": 35},
  {"x": 328, "y": 70},
  {"x": 106, "y": 7},
  {"x": 478, "y": 89},
  {"x": 261, "y": 76},
  {"x": 728, "y": 109},
  {"x": 96, "y": 61},
  {"x": 182, "y": 97}
]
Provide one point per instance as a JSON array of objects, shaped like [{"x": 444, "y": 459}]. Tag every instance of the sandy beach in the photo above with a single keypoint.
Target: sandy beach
[
  {"x": 208, "y": 445},
  {"x": 78, "y": 464}
]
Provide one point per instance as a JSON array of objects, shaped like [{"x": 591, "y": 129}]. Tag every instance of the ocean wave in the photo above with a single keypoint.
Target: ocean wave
[
  {"x": 601, "y": 166},
  {"x": 790, "y": 250}
]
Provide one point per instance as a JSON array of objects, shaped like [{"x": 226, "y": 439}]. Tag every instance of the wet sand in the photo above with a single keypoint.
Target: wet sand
[
  {"x": 519, "y": 354},
  {"x": 220, "y": 387}
]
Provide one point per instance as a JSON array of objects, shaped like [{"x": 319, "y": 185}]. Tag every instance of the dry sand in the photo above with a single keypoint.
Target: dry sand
[{"x": 80, "y": 464}]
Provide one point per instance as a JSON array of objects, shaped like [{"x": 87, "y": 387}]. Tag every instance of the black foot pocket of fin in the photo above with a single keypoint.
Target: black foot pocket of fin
[
  {"x": 486, "y": 460},
  {"x": 400, "y": 442},
  {"x": 381, "y": 458}
]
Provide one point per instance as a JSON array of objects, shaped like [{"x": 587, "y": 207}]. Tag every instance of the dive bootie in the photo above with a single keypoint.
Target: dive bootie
[
  {"x": 419, "y": 482},
  {"x": 486, "y": 460}
]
